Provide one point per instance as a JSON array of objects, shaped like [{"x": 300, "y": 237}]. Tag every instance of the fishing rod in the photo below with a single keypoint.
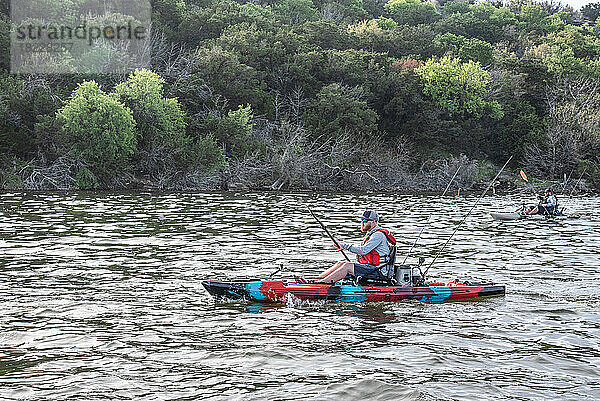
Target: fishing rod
[
  {"x": 429, "y": 218},
  {"x": 577, "y": 183},
  {"x": 573, "y": 189},
  {"x": 465, "y": 218},
  {"x": 337, "y": 244},
  {"x": 566, "y": 181}
]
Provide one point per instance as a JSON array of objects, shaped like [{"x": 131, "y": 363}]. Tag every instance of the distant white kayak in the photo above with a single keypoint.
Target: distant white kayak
[
  {"x": 507, "y": 216},
  {"x": 518, "y": 216}
]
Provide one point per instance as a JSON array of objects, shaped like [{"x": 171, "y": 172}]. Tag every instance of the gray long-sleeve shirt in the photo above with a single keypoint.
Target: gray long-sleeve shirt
[
  {"x": 550, "y": 201},
  {"x": 377, "y": 241}
]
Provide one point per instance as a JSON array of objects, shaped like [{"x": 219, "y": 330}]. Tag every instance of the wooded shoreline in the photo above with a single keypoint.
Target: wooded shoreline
[{"x": 358, "y": 95}]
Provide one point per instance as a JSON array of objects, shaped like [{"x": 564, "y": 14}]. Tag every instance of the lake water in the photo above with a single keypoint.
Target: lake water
[{"x": 101, "y": 298}]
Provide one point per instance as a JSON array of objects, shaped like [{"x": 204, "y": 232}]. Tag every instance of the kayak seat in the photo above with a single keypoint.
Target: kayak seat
[{"x": 377, "y": 277}]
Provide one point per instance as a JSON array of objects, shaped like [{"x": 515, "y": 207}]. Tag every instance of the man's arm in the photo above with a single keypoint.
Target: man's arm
[{"x": 371, "y": 244}]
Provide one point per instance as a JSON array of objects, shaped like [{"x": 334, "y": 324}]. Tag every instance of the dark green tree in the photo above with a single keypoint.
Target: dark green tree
[
  {"x": 455, "y": 7},
  {"x": 223, "y": 72},
  {"x": 591, "y": 11},
  {"x": 4, "y": 43},
  {"x": 465, "y": 49},
  {"x": 294, "y": 12},
  {"x": 323, "y": 35},
  {"x": 412, "y": 12},
  {"x": 339, "y": 110}
]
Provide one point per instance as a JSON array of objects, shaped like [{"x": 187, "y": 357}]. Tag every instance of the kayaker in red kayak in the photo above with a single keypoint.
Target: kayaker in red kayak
[{"x": 372, "y": 256}]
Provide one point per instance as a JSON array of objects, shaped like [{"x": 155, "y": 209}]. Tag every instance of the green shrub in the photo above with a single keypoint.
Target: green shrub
[
  {"x": 337, "y": 110},
  {"x": 85, "y": 179},
  {"x": 412, "y": 12},
  {"x": 460, "y": 88},
  {"x": 234, "y": 131},
  {"x": 207, "y": 154},
  {"x": 97, "y": 129},
  {"x": 161, "y": 125}
]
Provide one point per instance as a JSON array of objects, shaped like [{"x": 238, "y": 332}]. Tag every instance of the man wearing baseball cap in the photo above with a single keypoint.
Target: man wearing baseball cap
[
  {"x": 372, "y": 255},
  {"x": 547, "y": 205}
]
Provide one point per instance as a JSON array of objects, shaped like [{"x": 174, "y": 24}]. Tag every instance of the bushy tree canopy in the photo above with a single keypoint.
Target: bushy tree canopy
[
  {"x": 339, "y": 110},
  {"x": 97, "y": 129},
  {"x": 160, "y": 121},
  {"x": 412, "y": 12},
  {"x": 460, "y": 88},
  {"x": 445, "y": 76}
]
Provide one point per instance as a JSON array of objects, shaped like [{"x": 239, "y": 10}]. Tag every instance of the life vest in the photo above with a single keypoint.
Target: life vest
[
  {"x": 373, "y": 257},
  {"x": 552, "y": 209}
]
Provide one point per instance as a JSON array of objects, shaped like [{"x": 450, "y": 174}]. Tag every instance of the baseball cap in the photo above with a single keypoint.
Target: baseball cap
[{"x": 370, "y": 215}]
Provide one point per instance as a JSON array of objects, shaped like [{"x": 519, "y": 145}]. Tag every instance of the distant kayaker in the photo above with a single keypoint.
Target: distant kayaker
[
  {"x": 372, "y": 256},
  {"x": 547, "y": 204}
]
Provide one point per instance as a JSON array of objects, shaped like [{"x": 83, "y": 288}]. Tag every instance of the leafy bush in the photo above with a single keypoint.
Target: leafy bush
[
  {"x": 465, "y": 49},
  {"x": 161, "y": 125},
  {"x": 206, "y": 153},
  {"x": 234, "y": 131},
  {"x": 85, "y": 179},
  {"x": 338, "y": 110},
  {"x": 295, "y": 11},
  {"x": 97, "y": 129},
  {"x": 412, "y": 12},
  {"x": 223, "y": 72},
  {"x": 459, "y": 88}
]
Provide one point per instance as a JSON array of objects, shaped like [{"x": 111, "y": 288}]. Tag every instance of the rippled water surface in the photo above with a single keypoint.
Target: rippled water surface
[{"x": 100, "y": 298}]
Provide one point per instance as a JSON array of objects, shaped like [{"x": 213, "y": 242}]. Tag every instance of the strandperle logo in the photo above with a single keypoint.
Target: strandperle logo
[
  {"x": 82, "y": 32},
  {"x": 79, "y": 36}
]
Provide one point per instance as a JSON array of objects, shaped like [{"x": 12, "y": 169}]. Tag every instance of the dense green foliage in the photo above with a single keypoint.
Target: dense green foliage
[
  {"x": 591, "y": 11},
  {"x": 458, "y": 87},
  {"x": 234, "y": 130},
  {"x": 338, "y": 110},
  {"x": 229, "y": 78},
  {"x": 97, "y": 129},
  {"x": 412, "y": 12},
  {"x": 161, "y": 135}
]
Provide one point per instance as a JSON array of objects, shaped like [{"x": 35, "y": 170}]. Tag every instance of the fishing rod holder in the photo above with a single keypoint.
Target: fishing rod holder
[{"x": 279, "y": 269}]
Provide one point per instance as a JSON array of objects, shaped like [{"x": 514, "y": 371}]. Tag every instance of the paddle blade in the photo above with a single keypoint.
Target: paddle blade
[{"x": 523, "y": 175}]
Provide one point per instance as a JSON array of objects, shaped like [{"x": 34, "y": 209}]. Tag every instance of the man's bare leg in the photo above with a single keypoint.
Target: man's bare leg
[
  {"x": 330, "y": 270},
  {"x": 340, "y": 273}
]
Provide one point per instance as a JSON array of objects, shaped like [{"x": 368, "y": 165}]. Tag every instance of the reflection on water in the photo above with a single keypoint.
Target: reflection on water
[{"x": 101, "y": 299}]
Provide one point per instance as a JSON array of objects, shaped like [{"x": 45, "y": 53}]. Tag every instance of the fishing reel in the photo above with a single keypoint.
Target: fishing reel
[{"x": 419, "y": 278}]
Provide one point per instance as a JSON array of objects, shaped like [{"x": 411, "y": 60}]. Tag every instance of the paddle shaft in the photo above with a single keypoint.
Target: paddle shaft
[
  {"x": 337, "y": 244},
  {"x": 429, "y": 218},
  {"x": 530, "y": 185},
  {"x": 467, "y": 215}
]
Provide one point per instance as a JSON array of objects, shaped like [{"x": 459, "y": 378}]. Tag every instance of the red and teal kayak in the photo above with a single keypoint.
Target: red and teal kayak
[{"x": 277, "y": 291}]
